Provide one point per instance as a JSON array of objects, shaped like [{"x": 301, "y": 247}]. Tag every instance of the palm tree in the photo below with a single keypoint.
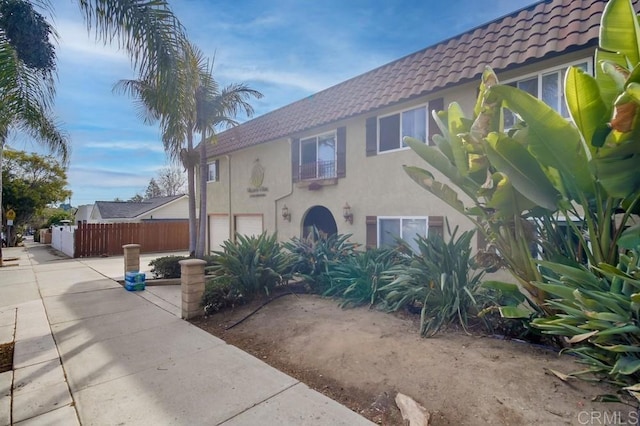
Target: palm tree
[
  {"x": 177, "y": 119},
  {"x": 148, "y": 31},
  {"x": 215, "y": 109},
  {"x": 26, "y": 81},
  {"x": 198, "y": 107}
]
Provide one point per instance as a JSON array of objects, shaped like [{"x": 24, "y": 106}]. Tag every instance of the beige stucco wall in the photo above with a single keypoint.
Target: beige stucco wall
[
  {"x": 373, "y": 186},
  {"x": 235, "y": 173}
]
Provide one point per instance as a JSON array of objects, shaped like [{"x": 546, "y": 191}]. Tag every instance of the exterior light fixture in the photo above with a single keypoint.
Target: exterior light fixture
[
  {"x": 285, "y": 213},
  {"x": 346, "y": 213}
]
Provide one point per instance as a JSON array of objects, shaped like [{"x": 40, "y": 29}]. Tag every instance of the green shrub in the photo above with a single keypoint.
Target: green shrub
[
  {"x": 311, "y": 256},
  {"x": 599, "y": 316},
  {"x": 210, "y": 259},
  {"x": 439, "y": 281},
  {"x": 358, "y": 277},
  {"x": 220, "y": 294},
  {"x": 166, "y": 267},
  {"x": 252, "y": 265}
]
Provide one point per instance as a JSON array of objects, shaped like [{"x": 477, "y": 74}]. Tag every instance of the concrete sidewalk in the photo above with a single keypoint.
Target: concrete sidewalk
[{"x": 89, "y": 352}]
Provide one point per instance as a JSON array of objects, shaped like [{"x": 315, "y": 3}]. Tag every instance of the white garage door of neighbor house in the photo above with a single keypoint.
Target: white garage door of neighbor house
[
  {"x": 218, "y": 231},
  {"x": 249, "y": 225}
]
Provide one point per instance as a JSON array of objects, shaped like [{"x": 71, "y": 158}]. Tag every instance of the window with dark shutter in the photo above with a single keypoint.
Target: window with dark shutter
[
  {"x": 436, "y": 225},
  {"x": 371, "y": 138},
  {"x": 341, "y": 152},
  {"x": 372, "y": 232},
  {"x": 390, "y": 132},
  {"x": 213, "y": 171},
  {"x": 434, "y": 105},
  {"x": 295, "y": 159}
]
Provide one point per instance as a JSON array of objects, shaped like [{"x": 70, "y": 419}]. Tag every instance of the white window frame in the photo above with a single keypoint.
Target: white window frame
[
  {"x": 541, "y": 73},
  {"x": 216, "y": 164},
  {"x": 401, "y": 218},
  {"x": 317, "y": 137},
  {"x": 402, "y": 145}
]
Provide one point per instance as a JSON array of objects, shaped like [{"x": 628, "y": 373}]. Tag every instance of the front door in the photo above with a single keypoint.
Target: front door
[{"x": 322, "y": 219}]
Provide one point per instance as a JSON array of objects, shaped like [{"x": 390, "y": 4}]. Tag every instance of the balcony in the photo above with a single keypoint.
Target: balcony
[{"x": 318, "y": 170}]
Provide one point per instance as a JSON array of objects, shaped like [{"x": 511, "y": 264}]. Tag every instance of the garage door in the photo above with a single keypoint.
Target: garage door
[
  {"x": 218, "y": 231},
  {"x": 249, "y": 225}
]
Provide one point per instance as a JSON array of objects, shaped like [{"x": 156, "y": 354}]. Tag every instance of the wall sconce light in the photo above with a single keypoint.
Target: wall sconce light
[
  {"x": 346, "y": 213},
  {"x": 285, "y": 213}
]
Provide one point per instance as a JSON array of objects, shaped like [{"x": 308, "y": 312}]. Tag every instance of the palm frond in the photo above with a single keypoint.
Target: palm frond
[{"x": 148, "y": 30}]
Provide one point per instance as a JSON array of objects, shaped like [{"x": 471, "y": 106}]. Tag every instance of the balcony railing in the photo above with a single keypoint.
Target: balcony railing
[{"x": 318, "y": 170}]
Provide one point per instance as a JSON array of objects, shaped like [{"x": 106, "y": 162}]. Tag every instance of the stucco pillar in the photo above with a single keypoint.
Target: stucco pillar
[
  {"x": 192, "y": 285},
  {"x": 131, "y": 258}
]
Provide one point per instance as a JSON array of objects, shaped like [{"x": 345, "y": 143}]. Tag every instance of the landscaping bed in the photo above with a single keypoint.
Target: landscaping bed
[
  {"x": 6, "y": 356},
  {"x": 362, "y": 358}
]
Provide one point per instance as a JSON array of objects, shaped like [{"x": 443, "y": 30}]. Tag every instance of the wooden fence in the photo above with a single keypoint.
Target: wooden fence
[{"x": 107, "y": 239}]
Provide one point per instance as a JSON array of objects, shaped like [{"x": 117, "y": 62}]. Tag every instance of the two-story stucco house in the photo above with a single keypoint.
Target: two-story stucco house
[{"x": 334, "y": 159}]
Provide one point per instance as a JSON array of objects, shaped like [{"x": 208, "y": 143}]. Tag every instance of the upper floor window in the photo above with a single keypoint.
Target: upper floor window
[
  {"x": 318, "y": 157},
  {"x": 392, "y": 128},
  {"x": 212, "y": 173},
  {"x": 323, "y": 156},
  {"x": 548, "y": 86}
]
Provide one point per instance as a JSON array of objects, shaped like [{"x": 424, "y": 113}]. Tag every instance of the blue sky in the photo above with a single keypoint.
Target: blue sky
[{"x": 287, "y": 49}]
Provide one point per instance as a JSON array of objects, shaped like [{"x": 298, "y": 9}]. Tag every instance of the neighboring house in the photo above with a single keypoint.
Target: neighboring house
[
  {"x": 334, "y": 159},
  {"x": 153, "y": 209},
  {"x": 83, "y": 213}
]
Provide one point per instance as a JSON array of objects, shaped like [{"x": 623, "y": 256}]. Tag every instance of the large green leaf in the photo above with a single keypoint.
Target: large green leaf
[
  {"x": 618, "y": 175},
  {"x": 504, "y": 287},
  {"x": 609, "y": 90},
  {"x": 561, "y": 291},
  {"x": 579, "y": 276},
  {"x": 442, "y": 191},
  {"x": 630, "y": 238},
  {"x": 620, "y": 330},
  {"x": 443, "y": 145},
  {"x": 456, "y": 127},
  {"x": 514, "y": 312},
  {"x": 435, "y": 158},
  {"x": 505, "y": 199},
  {"x": 551, "y": 139},
  {"x": 633, "y": 89},
  {"x": 585, "y": 104},
  {"x": 526, "y": 175},
  {"x": 620, "y": 348},
  {"x": 619, "y": 30},
  {"x": 626, "y": 365}
]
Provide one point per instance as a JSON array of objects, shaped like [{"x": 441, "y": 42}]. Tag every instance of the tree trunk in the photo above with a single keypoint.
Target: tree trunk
[
  {"x": 2, "y": 140},
  {"x": 202, "y": 231},
  {"x": 189, "y": 164}
]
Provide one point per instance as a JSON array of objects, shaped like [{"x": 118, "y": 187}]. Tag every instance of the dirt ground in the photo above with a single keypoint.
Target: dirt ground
[
  {"x": 363, "y": 357},
  {"x": 6, "y": 357}
]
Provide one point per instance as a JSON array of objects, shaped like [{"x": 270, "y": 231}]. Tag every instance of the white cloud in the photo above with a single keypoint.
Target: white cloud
[
  {"x": 100, "y": 177},
  {"x": 303, "y": 81},
  {"x": 126, "y": 145},
  {"x": 79, "y": 45}
]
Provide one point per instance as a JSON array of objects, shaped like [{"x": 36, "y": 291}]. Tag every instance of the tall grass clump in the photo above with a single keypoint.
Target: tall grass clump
[
  {"x": 439, "y": 280},
  {"x": 251, "y": 265}
]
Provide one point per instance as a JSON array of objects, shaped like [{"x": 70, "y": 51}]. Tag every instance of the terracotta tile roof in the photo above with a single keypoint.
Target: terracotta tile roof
[{"x": 541, "y": 30}]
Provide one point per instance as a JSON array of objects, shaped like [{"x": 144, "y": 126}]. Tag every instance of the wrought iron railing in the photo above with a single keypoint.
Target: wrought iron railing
[{"x": 318, "y": 170}]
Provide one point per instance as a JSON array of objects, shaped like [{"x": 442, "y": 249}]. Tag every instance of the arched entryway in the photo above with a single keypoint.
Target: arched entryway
[{"x": 322, "y": 219}]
